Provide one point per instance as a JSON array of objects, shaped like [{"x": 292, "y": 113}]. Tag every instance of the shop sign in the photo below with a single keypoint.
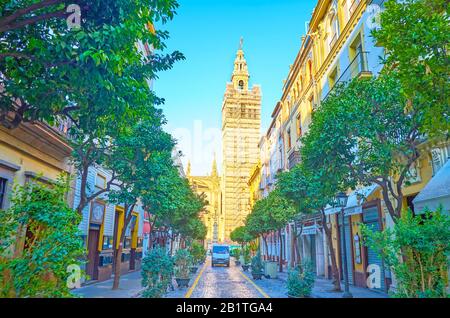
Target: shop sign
[
  {"x": 309, "y": 230},
  {"x": 353, "y": 210}
]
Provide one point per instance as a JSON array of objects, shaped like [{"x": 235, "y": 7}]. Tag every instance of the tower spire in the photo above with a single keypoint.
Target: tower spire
[
  {"x": 188, "y": 169},
  {"x": 214, "y": 166},
  {"x": 240, "y": 77}
]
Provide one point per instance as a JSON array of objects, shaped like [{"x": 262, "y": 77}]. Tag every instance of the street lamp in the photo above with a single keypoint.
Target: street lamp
[{"x": 341, "y": 201}]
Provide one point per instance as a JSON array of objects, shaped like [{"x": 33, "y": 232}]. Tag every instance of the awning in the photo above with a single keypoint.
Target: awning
[
  {"x": 354, "y": 202},
  {"x": 147, "y": 227},
  {"x": 435, "y": 193}
]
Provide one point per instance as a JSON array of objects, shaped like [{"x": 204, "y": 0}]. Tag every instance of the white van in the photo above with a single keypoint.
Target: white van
[{"x": 220, "y": 255}]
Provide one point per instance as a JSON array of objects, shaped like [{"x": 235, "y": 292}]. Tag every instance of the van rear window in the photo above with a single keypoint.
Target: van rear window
[{"x": 220, "y": 249}]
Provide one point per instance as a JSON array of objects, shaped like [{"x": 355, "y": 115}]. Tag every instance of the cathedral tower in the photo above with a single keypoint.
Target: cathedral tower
[{"x": 241, "y": 122}]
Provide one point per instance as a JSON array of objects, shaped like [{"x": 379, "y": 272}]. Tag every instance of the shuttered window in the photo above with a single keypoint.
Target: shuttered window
[{"x": 3, "y": 183}]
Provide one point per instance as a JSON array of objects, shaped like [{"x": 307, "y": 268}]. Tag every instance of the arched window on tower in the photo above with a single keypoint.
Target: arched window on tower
[{"x": 241, "y": 84}]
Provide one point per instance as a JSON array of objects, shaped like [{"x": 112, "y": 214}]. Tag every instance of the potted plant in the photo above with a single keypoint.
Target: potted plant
[
  {"x": 237, "y": 255},
  {"x": 198, "y": 253},
  {"x": 247, "y": 258},
  {"x": 301, "y": 281},
  {"x": 257, "y": 266},
  {"x": 270, "y": 269},
  {"x": 157, "y": 271},
  {"x": 182, "y": 262}
]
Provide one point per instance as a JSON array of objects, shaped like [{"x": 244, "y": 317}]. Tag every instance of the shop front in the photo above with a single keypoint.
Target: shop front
[
  {"x": 312, "y": 244},
  {"x": 365, "y": 266}
]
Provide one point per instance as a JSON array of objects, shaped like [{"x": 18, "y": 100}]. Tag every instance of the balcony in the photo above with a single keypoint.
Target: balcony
[
  {"x": 293, "y": 159},
  {"x": 358, "y": 68}
]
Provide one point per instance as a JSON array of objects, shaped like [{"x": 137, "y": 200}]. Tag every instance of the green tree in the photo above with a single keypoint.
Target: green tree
[
  {"x": 256, "y": 222},
  {"x": 312, "y": 191},
  {"x": 39, "y": 239},
  {"x": 271, "y": 214},
  {"x": 175, "y": 207},
  {"x": 157, "y": 271},
  {"x": 424, "y": 243},
  {"x": 136, "y": 158},
  {"x": 241, "y": 235},
  {"x": 361, "y": 135},
  {"x": 48, "y": 70},
  {"x": 416, "y": 35}
]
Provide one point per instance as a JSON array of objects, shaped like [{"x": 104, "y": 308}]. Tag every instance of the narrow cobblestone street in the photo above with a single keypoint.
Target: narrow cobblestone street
[{"x": 219, "y": 282}]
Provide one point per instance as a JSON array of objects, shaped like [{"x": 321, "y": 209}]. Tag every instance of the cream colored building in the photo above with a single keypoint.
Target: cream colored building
[
  {"x": 209, "y": 186},
  {"x": 241, "y": 122},
  {"x": 31, "y": 151}
]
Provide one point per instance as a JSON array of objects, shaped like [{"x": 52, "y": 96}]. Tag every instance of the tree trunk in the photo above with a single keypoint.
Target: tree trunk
[
  {"x": 266, "y": 246},
  {"x": 117, "y": 265},
  {"x": 171, "y": 245},
  {"x": 83, "y": 185},
  {"x": 281, "y": 251},
  {"x": 334, "y": 268},
  {"x": 293, "y": 235},
  {"x": 297, "y": 248}
]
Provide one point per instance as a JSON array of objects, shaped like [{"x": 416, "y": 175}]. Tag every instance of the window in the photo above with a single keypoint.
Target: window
[
  {"x": 289, "y": 139},
  {"x": 241, "y": 84},
  {"x": 100, "y": 182},
  {"x": 332, "y": 78},
  {"x": 311, "y": 104},
  {"x": 3, "y": 183},
  {"x": 310, "y": 70},
  {"x": 107, "y": 243},
  {"x": 299, "y": 126}
]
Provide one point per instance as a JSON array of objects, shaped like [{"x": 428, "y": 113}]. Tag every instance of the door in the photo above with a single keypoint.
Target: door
[
  {"x": 348, "y": 249},
  {"x": 93, "y": 254},
  {"x": 312, "y": 246},
  {"x": 371, "y": 219}
]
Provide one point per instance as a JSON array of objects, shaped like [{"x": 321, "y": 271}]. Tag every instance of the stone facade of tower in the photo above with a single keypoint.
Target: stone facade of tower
[
  {"x": 241, "y": 122},
  {"x": 213, "y": 217}
]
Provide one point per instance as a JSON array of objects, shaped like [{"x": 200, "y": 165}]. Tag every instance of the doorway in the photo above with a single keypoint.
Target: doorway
[{"x": 93, "y": 254}]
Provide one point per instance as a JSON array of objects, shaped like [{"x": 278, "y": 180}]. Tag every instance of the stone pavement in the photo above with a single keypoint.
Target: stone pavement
[
  {"x": 219, "y": 282},
  {"x": 322, "y": 289},
  {"x": 130, "y": 286}
]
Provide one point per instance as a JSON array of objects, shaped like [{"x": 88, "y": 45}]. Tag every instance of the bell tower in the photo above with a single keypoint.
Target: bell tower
[{"x": 241, "y": 122}]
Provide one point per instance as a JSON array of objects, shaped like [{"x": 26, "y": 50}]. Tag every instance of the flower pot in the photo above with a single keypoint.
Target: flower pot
[
  {"x": 270, "y": 269},
  {"x": 194, "y": 269},
  {"x": 245, "y": 267},
  {"x": 182, "y": 282},
  {"x": 257, "y": 276},
  {"x": 291, "y": 296}
]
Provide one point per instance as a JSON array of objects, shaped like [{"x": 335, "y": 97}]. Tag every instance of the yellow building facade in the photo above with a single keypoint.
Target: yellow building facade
[
  {"x": 29, "y": 152},
  {"x": 338, "y": 47}
]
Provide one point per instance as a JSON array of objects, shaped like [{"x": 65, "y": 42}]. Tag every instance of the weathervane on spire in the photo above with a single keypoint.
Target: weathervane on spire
[{"x": 241, "y": 43}]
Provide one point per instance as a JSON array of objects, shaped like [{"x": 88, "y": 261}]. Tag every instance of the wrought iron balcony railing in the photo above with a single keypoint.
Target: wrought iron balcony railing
[{"x": 358, "y": 67}]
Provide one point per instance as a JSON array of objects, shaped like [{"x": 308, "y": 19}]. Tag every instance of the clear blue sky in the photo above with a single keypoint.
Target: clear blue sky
[{"x": 207, "y": 32}]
